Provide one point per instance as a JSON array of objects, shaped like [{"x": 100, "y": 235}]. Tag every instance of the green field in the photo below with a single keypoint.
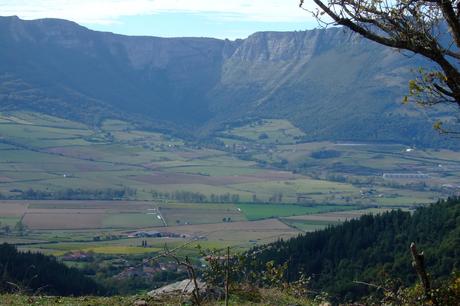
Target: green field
[
  {"x": 48, "y": 153},
  {"x": 262, "y": 211},
  {"x": 268, "y": 131},
  {"x": 264, "y": 165},
  {"x": 130, "y": 220},
  {"x": 10, "y": 221}
]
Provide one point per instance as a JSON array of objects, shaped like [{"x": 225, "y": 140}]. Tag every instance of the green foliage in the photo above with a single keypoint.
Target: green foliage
[
  {"x": 74, "y": 194},
  {"x": 247, "y": 284},
  {"x": 273, "y": 276},
  {"x": 363, "y": 249},
  {"x": 390, "y": 292},
  {"x": 20, "y": 228},
  {"x": 33, "y": 273},
  {"x": 195, "y": 197},
  {"x": 324, "y": 154},
  {"x": 263, "y": 211}
]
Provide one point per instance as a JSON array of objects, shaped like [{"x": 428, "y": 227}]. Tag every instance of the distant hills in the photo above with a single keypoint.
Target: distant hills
[{"x": 330, "y": 83}]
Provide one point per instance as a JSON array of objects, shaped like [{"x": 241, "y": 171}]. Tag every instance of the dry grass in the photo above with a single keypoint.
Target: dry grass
[
  {"x": 64, "y": 221},
  {"x": 238, "y": 233}
]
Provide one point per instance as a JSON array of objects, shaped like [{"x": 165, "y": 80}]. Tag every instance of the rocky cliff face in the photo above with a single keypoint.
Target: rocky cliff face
[
  {"x": 326, "y": 81},
  {"x": 331, "y": 83}
]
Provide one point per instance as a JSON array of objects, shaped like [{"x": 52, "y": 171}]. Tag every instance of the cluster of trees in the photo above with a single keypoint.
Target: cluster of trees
[
  {"x": 369, "y": 248},
  {"x": 276, "y": 198},
  {"x": 36, "y": 272},
  {"x": 196, "y": 197},
  {"x": 183, "y": 196},
  {"x": 324, "y": 154},
  {"x": 73, "y": 194},
  {"x": 19, "y": 228}
]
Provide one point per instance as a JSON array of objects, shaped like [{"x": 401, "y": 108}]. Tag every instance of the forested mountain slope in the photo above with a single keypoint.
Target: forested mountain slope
[
  {"x": 372, "y": 249},
  {"x": 331, "y": 83}
]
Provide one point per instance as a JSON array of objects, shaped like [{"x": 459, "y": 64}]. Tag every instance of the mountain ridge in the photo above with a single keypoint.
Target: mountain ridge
[{"x": 321, "y": 80}]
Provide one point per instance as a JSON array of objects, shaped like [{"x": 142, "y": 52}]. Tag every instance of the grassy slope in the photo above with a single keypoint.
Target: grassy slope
[{"x": 267, "y": 297}]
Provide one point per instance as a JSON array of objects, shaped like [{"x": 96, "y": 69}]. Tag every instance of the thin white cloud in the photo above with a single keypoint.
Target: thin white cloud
[{"x": 108, "y": 11}]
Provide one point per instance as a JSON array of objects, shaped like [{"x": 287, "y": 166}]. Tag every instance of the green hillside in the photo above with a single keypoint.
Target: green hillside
[
  {"x": 196, "y": 86},
  {"x": 372, "y": 249}
]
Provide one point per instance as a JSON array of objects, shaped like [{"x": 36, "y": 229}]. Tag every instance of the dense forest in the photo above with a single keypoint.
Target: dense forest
[
  {"x": 371, "y": 249},
  {"x": 37, "y": 273}
]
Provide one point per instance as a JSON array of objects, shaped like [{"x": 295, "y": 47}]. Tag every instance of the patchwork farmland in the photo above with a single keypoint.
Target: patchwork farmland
[{"x": 71, "y": 186}]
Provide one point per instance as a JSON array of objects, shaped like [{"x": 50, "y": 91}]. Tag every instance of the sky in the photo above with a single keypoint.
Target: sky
[{"x": 171, "y": 18}]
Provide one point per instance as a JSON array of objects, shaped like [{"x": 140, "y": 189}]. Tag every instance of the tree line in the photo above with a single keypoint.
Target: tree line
[
  {"x": 196, "y": 197},
  {"x": 71, "y": 194}
]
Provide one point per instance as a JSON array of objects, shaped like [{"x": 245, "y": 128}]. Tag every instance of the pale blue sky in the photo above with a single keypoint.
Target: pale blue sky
[
  {"x": 170, "y": 18},
  {"x": 193, "y": 24}
]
